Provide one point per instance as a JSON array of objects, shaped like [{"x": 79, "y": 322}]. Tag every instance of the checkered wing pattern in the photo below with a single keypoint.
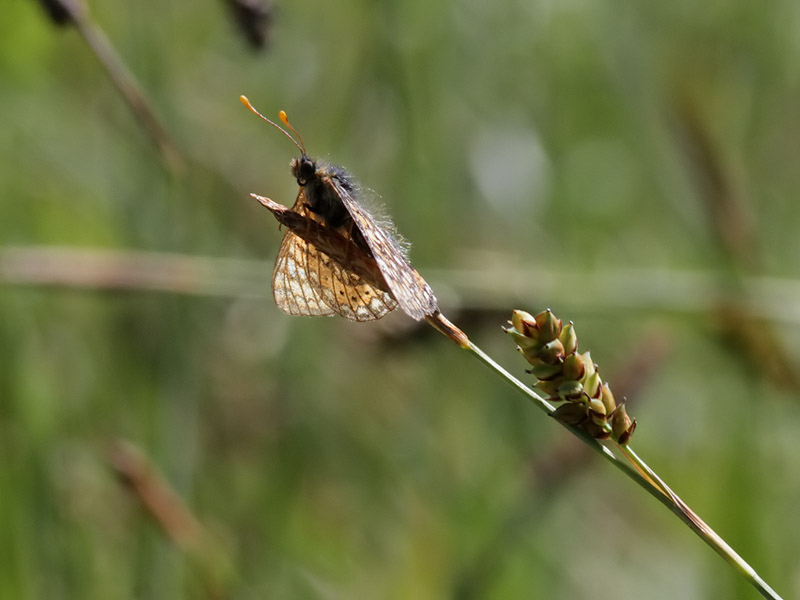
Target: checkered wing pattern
[{"x": 306, "y": 281}]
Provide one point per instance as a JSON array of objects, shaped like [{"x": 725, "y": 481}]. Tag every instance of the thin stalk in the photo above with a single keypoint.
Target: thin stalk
[
  {"x": 636, "y": 469},
  {"x": 701, "y": 528},
  {"x": 78, "y": 15}
]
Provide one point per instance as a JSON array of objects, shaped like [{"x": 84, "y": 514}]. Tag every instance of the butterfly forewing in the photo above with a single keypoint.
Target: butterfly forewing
[{"x": 411, "y": 291}]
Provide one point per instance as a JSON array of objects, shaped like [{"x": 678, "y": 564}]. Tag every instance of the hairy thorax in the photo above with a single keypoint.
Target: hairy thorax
[{"x": 322, "y": 197}]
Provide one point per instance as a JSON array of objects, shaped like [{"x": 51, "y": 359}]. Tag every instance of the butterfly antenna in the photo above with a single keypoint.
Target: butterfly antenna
[
  {"x": 282, "y": 115},
  {"x": 285, "y": 120}
]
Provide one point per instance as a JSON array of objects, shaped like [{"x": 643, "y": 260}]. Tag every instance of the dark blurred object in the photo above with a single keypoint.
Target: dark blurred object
[
  {"x": 61, "y": 12},
  {"x": 254, "y": 18}
]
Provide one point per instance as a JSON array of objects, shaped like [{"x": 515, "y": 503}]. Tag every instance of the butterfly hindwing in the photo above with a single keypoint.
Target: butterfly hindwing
[{"x": 292, "y": 288}]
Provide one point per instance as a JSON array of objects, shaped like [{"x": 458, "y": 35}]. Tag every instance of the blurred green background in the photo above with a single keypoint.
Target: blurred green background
[{"x": 635, "y": 168}]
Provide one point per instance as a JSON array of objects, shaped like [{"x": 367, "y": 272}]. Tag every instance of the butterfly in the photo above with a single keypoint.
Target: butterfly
[{"x": 335, "y": 257}]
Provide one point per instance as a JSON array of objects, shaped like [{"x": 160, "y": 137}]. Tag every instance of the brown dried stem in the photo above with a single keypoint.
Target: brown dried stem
[
  {"x": 173, "y": 517},
  {"x": 76, "y": 13}
]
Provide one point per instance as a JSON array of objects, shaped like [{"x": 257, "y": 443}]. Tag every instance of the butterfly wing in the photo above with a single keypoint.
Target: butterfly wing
[
  {"x": 412, "y": 292},
  {"x": 292, "y": 288},
  {"x": 306, "y": 281}
]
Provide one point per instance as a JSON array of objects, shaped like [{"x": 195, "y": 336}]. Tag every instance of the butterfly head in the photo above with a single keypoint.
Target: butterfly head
[{"x": 304, "y": 169}]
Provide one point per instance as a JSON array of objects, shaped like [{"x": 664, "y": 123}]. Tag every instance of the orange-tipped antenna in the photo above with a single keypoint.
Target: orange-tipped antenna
[
  {"x": 285, "y": 120},
  {"x": 282, "y": 115}
]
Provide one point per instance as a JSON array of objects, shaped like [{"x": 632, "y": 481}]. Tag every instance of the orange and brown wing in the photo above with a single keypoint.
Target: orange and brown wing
[
  {"x": 306, "y": 281},
  {"x": 292, "y": 288}
]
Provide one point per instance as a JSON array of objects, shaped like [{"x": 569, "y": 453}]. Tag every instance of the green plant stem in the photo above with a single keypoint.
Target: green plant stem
[
  {"x": 642, "y": 474},
  {"x": 701, "y": 528}
]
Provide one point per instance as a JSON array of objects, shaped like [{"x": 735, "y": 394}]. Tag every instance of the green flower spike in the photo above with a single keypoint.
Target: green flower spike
[
  {"x": 585, "y": 404},
  {"x": 622, "y": 425},
  {"x": 568, "y": 377}
]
